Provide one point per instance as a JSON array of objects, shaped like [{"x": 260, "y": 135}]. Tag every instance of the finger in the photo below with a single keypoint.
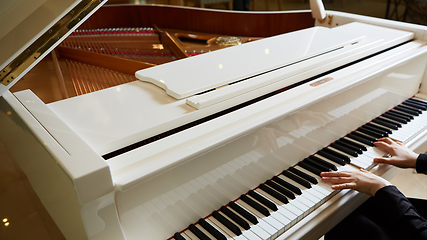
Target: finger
[
  {"x": 383, "y": 146},
  {"x": 337, "y": 180},
  {"x": 391, "y": 161},
  {"x": 335, "y": 174},
  {"x": 381, "y": 160},
  {"x": 343, "y": 186},
  {"x": 387, "y": 140}
]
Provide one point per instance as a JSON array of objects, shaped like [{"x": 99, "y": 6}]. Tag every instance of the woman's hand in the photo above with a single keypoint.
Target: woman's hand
[
  {"x": 362, "y": 181},
  {"x": 401, "y": 156}
]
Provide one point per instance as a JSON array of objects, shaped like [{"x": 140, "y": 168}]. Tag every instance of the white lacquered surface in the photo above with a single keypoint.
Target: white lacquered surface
[
  {"x": 114, "y": 118},
  {"x": 228, "y": 65},
  {"x": 169, "y": 202}
]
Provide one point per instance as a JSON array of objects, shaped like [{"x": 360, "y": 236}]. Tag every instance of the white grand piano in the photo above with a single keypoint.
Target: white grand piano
[{"x": 223, "y": 145}]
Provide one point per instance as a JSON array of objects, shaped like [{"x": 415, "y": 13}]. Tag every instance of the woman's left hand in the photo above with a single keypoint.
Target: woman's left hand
[{"x": 362, "y": 181}]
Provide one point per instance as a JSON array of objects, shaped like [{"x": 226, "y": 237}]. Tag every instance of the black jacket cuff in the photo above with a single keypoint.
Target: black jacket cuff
[{"x": 421, "y": 164}]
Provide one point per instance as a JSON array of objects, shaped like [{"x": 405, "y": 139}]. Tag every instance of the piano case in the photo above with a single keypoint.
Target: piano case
[{"x": 170, "y": 152}]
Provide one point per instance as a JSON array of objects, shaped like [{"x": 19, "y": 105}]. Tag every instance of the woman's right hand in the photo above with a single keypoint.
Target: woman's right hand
[{"x": 401, "y": 156}]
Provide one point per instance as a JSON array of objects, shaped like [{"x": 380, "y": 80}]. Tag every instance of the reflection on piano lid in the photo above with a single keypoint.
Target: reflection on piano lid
[{"x": 248, "y": 166}]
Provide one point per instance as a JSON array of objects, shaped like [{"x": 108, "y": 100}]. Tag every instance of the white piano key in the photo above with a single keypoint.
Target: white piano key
[
  {"x": 294, "y": 210},
  {"x": 279, "y": 217},
  {"x": 260, "y": 232},
  {"x": 316, "y": 190},
  {"x": 255, "y": 228},
  {"x": 204, "y": 231},
  {"x": 267, "y": 224},
  {"x": 190, "y": 235},
  {"x": 184, "y": 236},
  {"x": 361, "y": 160},
  {"x": 302, "y": 207}
]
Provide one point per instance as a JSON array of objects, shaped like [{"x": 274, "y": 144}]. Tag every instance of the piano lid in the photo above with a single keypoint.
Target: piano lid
[{"x": 33, "y": 29}]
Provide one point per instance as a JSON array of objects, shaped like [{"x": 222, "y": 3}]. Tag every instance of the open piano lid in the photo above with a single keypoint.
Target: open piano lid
[{"x": 33, "y": 29}]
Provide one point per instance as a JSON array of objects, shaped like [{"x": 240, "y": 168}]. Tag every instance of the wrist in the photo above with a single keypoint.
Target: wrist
[{"x": 379, "y": 185}]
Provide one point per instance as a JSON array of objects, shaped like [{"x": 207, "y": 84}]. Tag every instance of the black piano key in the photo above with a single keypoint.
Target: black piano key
[
  {"x": 249, "y": 216},
  {"x": 379, "y": 128},
  {"x": 369, "y": 138},
  {"x": 349, "y": 145},
  {"x": 197, "y": 232},
  {"x": 370, "y": 127},
  {"x": 410, "y": 108},
  {"x": 331, "y": 157},
  {"x": 344, "y": 149},
  {"x": 417, "y": 101},
  {"x": 323, "y": 162},
  {"x": 178, "y": 236},
  {"x": 231, "y": 226},
  {"x": 415, "y": 105},
  {"x": 407, "y": 110},
  {"x": 273, "y": 193},
  {"x": 213, "y": 231},
  {"x": 264, "y": 211},
  {"x": 402, "y": 114},
  {"x": 394, "y": 118},
  {"x": 407, "y": 118},
  {"x": 303, "y": 175},
  {"x": 264, "y": 201},
  {"x": 337, "y": 154},
  {"x": 359, "y": 139},
  {"x": 236, "y": 218},
  {"x": 297, "y": 178},
  {"x": 280, "y": 189},
  {"x": 287, "y": 185},
  {"x": 352, "y": 143},
  {"x": 310, "y": 168},
  {"x": 389, "y": 121},
  {"x": 316, "y": 165},
  {"x": 372, "y": 133},
  {"x": 385, "y": 124}
]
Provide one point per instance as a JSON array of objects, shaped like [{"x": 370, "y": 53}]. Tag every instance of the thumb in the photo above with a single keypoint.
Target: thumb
[{"x": 382, "y": 160}]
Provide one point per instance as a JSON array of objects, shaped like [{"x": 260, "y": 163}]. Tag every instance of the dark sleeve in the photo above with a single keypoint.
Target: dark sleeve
[
  {"x": 394, "y": 205},
  {"x": 422, "y": 164}
]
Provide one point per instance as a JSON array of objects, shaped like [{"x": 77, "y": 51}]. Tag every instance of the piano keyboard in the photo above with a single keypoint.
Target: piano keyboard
[{"x": 277, "y": 204}]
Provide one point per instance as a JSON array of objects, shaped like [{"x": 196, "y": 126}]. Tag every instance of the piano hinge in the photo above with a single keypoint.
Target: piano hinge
[
  {"x": 329, "y": 17},
  {"x": 47, "y": 40}
]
